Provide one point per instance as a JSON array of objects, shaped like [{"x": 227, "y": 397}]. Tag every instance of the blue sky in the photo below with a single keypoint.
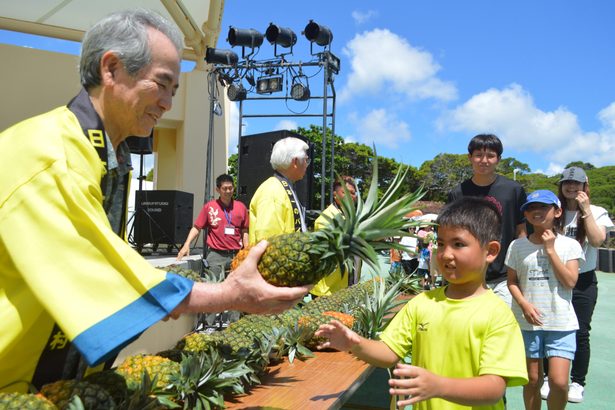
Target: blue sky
[{"x": 421, "y": 78}]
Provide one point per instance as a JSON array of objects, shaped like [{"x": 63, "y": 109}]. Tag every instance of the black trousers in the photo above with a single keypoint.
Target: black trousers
[{"x": 584, "y": 298}]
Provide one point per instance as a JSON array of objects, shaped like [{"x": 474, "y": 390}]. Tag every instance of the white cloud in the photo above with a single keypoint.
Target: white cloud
[
  {"x": 361, "y": 17},
  {"x": 607, "y": 116},
  {"x": 379, "y": 127},
  {"x": 382, "y": 61},
  {"x": 552, "y": 169},
  {"x": 512, "y": 115},
  {"x": 286, "y": 125}
]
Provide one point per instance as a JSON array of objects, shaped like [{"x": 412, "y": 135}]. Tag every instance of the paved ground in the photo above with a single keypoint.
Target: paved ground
[
  {"x": 599, "y": 393},
  {"x": 600, "y": 389}
]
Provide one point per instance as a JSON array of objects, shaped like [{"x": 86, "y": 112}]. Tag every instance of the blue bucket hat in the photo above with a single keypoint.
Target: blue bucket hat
[{"x": 543, "y": 196}]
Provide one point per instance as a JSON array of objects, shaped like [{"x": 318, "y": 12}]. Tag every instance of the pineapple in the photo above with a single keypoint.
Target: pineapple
[
  {"x": 112, "y": 382},
  {"x": 23, "y": 401},
  {"x": 301, "y": 258},
  {"x": 92, "y": 396},
  {"x": 133, "y": 367},
  {"x": 312, "y": 322},
  {"x": 198, "y": 342}
]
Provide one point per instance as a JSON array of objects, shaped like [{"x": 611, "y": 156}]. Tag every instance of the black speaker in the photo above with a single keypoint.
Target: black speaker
[
  {"x": 254, "y": 165},
  {"x": 140, "y": 145},
  {"x": 162, "y": 217}
]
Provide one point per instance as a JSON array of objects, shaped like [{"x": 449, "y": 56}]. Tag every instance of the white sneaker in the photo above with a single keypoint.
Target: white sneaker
[
  {"x": 544, "y": 390},
  {"x": 575, "y": 393}
]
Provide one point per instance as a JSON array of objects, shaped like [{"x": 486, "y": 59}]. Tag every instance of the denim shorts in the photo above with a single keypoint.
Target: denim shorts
[{"x": 549, "y": 343}]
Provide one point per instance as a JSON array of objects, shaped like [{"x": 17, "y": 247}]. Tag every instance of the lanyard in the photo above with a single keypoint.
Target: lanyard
[
  {"x": 297, "y": 215},
  {"x": 228, "y": 215}
]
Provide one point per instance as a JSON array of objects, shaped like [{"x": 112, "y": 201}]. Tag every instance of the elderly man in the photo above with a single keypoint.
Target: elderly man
[
  {"x": 68, "y": 281},
  {"x": 275, "y": 207}
]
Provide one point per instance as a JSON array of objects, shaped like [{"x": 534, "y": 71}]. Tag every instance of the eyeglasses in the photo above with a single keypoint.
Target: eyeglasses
[{"x": 307, "y": 160}]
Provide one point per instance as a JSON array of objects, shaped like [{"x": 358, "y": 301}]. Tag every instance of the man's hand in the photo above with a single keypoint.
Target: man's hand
[
  {"x": 253, "y": 294},
  {"x": 184, "y": 251},
  {"x": 338, "y": 336}
]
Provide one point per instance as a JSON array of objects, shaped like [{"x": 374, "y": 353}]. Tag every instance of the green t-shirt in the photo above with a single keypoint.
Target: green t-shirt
[{"x": 459, "y": 338}]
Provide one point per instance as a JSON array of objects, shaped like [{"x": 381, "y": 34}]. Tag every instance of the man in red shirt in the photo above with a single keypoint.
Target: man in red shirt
[{"x": 226, "y": 221}]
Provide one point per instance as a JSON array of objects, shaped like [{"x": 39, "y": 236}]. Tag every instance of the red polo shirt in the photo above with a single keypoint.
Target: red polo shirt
[{"x": 220, "y": 220}]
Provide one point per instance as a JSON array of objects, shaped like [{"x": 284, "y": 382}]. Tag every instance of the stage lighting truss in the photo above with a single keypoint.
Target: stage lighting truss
[{"x": 273, "y": 72}]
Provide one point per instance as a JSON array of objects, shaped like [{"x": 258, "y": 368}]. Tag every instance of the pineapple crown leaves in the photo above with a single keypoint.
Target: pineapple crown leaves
[
  {"x": 294, "y": 342},
  {"x": 377, "y": 310},
  {"x": 204, "y": 378},
  {"x": 372, "y": 220}
]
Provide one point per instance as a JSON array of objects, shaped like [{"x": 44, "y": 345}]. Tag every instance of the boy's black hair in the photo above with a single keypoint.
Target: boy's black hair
[
  {"x": 486, "y": 141},
  {"x": 224, "y": 178},
  {"x": 478, "y": 216}
]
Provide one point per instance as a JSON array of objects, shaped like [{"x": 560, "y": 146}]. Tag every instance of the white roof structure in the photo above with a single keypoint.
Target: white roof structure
[{"x": 199, "y": 20}]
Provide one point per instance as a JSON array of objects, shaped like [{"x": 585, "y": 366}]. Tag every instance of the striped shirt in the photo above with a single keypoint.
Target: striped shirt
[{"x": 539, "y": 284}]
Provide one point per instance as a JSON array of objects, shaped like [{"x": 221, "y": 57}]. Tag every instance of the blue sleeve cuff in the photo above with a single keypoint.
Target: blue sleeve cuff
[{"x": 106, "y": 338}]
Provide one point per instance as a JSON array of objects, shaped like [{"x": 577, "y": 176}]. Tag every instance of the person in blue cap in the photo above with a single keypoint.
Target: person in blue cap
[{"x": 543, "y": 268}]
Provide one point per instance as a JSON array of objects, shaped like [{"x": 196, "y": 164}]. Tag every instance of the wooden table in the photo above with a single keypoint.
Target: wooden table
[{"x": 325, "y": 381}]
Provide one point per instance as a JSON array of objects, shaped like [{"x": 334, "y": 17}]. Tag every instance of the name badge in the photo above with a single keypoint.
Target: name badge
[{"x": 229, "y": 230}]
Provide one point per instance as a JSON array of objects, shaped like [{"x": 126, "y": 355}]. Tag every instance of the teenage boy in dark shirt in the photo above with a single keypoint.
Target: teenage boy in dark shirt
[{"x": 484, "y": 153}]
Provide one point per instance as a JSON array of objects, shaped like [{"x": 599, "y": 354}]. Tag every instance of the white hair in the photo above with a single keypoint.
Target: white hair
[{"x": 285, "y": 150}]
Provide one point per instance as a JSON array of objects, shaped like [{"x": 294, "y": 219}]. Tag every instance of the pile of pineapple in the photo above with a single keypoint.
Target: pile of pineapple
[{"x": 204, "y": 368}]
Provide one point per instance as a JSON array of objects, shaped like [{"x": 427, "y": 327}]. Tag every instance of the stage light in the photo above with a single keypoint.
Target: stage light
[
  {"x": 244, "y": 37},
  {"x": 220, "y": 56},
  {"x": 318, "y": 34},
  {"x": 236, "y": 92},
  {"x": 282, "y": 36},
  {"x": 333, "y": 62},
  {"x": 300, "y": 91},
  {"x": 268, "y": 85}
]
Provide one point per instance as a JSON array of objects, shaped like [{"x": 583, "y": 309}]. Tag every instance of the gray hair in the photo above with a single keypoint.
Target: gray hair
[
  {"x": 285, "y": 150},
  {"x": 124, "y": 33}
]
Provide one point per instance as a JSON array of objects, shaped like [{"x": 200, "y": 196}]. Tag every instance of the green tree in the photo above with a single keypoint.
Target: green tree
[
  {"x": 441, "y": 174},
  {"x": 507, "y": 167},
  {"x": 584, "y": 165}
]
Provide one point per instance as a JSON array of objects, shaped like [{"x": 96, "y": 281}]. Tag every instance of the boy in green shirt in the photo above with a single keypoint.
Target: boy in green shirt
[{"x": 465, "y": 343}]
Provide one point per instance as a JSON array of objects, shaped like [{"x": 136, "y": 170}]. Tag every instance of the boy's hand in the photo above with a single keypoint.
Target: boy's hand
[
  {"x": 532, "y": 314},
  {"x": 338, "y": 336},
  {"x": 416, "y": 382}
]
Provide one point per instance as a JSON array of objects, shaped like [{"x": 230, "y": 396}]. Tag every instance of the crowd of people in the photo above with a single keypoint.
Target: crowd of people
[
  {"x": 518, "y": 271},
  {"x": 545, "y": 281}
]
